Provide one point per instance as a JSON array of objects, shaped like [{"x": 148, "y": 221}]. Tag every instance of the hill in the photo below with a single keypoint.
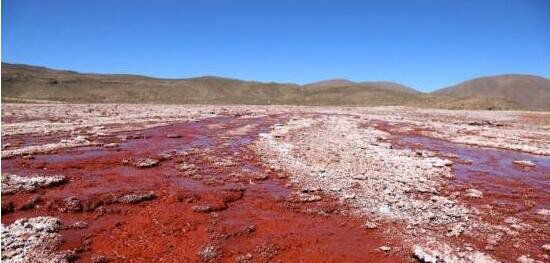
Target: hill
[
  {"x": 330, "y": 83},
  {"x": 31, "y": 83},
  {"x": 527, "y": 91},
  {"x": 345, "y": 92},
  {"x": 382, "y": 85},
  {"x": 23, "y": 82}
]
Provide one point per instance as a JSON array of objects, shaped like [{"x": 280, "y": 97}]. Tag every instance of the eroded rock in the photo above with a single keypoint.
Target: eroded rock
[
  {"x": 209, "y": 252},
  {"x": 207, "y": 208},
  {"x": 474, "y": 193},
  {"x": 445, "y": 254},
  {"x": 72, "y": 204},
  {"x": 146, "y": 163},
  {"x": 306, "y": 197},
  {"x": 370, "y": 225},
  {"x": 137, "y": 198},
  {"x": 385, "y": 248},
  {"x": 12, "y": 183},
  {"x": 33, "y": 240}
]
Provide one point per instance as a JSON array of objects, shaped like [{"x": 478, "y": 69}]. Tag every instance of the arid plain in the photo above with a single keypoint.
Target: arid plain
[{"x": 135, "y": 183}]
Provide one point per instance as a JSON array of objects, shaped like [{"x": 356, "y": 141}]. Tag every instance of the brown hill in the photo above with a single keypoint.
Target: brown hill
[
  {"x": 30, "y": 83},
  {"x": 383, "y": 85},
  {"x": 390, "y": 86},
  {"x": 345, "y": 92},
  {"x": 330, "y": 83},
  {"x": 23, "y": 82},
  {"x": 527, "y": 91},
  {"x": 468, "y": 103}
]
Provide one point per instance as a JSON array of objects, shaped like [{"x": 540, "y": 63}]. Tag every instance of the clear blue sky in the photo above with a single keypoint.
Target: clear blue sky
[{"x": 423, "y": 44}]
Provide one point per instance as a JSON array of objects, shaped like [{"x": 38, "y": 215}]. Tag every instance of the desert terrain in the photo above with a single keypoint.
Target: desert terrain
[
  {"x": 27, "y": 83},
  {"x": 216, "y": 183}
]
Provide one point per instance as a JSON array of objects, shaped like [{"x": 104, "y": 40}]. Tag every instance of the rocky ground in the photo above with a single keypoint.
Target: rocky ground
[{"x": 134, "y": 183}]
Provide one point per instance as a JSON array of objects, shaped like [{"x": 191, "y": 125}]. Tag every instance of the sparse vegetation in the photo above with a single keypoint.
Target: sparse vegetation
[{"x": 21, "y": 83}]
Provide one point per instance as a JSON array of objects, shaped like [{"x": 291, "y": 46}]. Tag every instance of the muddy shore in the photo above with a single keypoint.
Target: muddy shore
[{"x": 128, "y": 183}]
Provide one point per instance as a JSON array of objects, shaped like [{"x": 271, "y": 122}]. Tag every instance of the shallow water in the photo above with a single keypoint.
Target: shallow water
[
  {"x": 167, "y": 228},
  {"x": 492, "y": 170}
]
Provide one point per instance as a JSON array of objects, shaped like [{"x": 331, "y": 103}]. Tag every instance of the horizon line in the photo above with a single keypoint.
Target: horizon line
[{"x": 263, "y": 81}]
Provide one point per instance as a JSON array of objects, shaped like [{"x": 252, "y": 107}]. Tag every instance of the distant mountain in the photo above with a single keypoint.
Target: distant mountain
[
  {"x": 345, "y": 92},
  {"x": 335, "y": 83},
  {"x": 330, "y": 83},
  {"x": 24, "y": 82},
  {"x": 391, "y": 86},
  {"x": 530, "y": 92},
  {"x": 30, "y": 83}
]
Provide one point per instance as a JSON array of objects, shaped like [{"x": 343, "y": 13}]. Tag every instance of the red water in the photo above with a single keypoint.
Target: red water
[
  {"x": 250, "y": 214},
  {"x": 509, "y": 190}
]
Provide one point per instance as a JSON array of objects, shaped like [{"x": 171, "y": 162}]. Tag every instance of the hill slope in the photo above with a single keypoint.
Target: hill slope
[
  {"x": 30, "y": 83},
  {"x": 528, "y": 91},
  {"x": 343, "y": 83},
  {"x": 330, "y": 83},
  {"x": 345, "y": 92},
  {"x": 37, "y": 83}
]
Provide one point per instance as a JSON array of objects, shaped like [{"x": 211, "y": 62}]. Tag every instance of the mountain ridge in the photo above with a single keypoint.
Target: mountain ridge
[
  {"x": 529, "y": 90},
  {"x": 28, "y": 82}
]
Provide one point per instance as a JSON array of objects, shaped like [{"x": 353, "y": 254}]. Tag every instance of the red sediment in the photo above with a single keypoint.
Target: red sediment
[
  {"x": 210, "y": 191},
  {"x": 509, "y": 189},
  {"x": 24, "y": 140},
  {"x": 34, "y": 139}
]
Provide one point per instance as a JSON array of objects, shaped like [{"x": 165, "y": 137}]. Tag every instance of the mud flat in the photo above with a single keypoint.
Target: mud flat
[{"x": 134, "y": 183}]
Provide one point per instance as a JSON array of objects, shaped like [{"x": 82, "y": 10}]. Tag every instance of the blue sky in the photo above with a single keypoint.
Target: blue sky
[{"x": 423, "y": 44}]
